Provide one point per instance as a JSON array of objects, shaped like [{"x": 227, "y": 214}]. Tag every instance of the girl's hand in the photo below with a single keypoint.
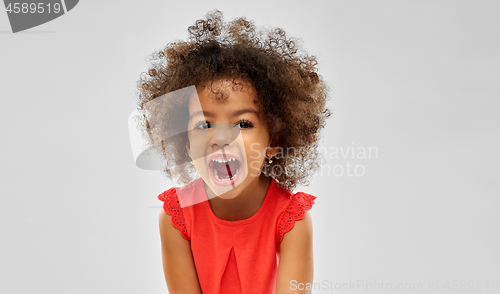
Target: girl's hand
[
  {"x": 296, "y": 265},
  {"x": 178, "y": 263}
]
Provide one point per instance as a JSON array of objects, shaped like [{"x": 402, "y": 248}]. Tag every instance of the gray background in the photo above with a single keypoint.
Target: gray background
[{"x": 418, "y": 80}]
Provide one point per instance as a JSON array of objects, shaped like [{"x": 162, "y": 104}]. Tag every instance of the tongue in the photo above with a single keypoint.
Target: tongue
[{"x": 222, "y": 168}]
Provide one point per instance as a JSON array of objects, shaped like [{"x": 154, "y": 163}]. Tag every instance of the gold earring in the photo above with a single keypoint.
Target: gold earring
[{"x": 270, "y": 160}]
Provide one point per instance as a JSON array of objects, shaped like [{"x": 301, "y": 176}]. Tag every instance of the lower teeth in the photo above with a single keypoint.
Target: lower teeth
[{"x": 216, "y": 174}]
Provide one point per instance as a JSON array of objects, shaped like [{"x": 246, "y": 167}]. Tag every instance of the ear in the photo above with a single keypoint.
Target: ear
[
  {"x": 188, "y": 148},
  {"x": 272, "y": 149}
]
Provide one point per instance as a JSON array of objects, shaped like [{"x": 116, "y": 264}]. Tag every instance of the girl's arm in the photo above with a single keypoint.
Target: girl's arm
[
  {"x": 296, "y": 263},
  {"x": 178, "y": 263}
]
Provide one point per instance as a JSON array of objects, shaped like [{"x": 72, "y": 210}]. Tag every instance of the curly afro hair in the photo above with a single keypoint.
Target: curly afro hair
[{"x": 289, "y": 89}]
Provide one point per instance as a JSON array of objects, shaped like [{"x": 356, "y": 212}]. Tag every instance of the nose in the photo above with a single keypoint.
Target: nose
[{"x": 223, "y": 134}]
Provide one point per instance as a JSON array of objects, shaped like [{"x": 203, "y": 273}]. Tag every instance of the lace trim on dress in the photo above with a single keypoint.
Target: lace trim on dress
[
  {"x": 296, "y": 210},
  {"x": 172, "y": 207}
]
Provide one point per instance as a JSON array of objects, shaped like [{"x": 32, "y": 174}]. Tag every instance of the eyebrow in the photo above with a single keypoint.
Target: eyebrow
[{"x": 235, "y": 113}]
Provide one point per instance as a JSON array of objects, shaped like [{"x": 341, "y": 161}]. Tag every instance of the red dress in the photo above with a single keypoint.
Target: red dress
[{"x": 237, "y": 257}]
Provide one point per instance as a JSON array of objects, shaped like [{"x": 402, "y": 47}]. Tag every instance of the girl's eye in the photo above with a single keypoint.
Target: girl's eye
[
  {"x": 202, "y": 125},
  {"x": 244, "y": 124},
  {"x": 241, "y": 124}
]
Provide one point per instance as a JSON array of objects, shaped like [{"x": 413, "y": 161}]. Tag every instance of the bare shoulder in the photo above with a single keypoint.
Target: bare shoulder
[
  {"x": 166, "y": 226},
  {"x": 178, "y": 263},
  {"x": 301, "y": 231},
  {"x": 296, "y": 257}
]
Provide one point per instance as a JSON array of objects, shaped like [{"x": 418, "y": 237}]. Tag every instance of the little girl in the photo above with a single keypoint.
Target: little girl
[{"x": 236, "y": 113}]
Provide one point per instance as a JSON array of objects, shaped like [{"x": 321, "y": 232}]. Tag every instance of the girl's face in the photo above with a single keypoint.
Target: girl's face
[{"x": 227, "y": 139}]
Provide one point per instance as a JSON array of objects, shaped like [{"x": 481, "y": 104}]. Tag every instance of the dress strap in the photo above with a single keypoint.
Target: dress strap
[
  {"x": 296, "y": 210},
  {"x": 172, "y": 207}
]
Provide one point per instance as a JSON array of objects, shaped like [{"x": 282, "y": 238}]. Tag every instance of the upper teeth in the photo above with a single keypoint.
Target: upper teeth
[{"x": 222, "y": 160}]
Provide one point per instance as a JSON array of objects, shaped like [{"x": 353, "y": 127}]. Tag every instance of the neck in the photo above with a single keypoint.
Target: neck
[{"x": 246, "y": 204}]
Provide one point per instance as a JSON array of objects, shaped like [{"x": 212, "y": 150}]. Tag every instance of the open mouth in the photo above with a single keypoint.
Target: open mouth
[{"x": 224, "y": 171}]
